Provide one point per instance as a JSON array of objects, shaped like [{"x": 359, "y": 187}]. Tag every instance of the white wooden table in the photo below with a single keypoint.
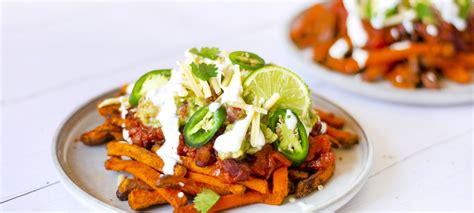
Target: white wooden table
[{"x": 56, "y": 56}]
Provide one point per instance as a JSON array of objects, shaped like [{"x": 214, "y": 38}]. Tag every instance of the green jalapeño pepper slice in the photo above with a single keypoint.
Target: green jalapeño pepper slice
[
  {"x": 247, "y": 60},
  {"x": 292, "y": 138},
  {"x": 150, "y": 80},
  {"x": 203, "y": 125}
]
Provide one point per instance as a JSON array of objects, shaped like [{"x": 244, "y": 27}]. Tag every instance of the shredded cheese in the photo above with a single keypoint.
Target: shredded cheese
[{"x": 245, "y": 106}]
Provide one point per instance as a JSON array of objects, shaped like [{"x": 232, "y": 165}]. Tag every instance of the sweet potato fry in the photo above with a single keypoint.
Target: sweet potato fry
[
  {"x": 345, "y": 65},
  {"x": 232, "y": 201},
  {"x": 148, "y": 175},
  {"x": 100, "y": 134},
  {"x": 186, "y": 209},
  {"x": 128, "y": 185},
  {"x": 467, "y": 59},
  {"x": 457, "y": 74},
  {"x": 296, "y": 175},
  {"x": 402, "y": 77},
  {"x": 345, "y": 138},
  {"x": 375, "y": 73},
  {"x": 191, "y": 165},
  {"x": 187, "y": 185},
  {"x": 109, "y": 111},
  {"x": 141, "y": 155},
  {"x": 321, "y": 49},
  {"x": 256, "y": 184},
  {"x": 331, "y": 119},
  {"x": 310, "y": 184},
  {"x": 318, "y": 23},
  {"x": 233, "y": 188},
  {"x": 280, "y": 187},
  {"x": 388, "y": 55},
  {"x": 139, "y": 199}
]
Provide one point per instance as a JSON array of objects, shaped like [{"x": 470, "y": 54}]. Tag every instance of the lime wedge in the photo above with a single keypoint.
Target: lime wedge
[{"x": 266, "y": 81}]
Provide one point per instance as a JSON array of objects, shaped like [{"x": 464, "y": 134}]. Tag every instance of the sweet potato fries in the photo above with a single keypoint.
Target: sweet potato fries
[
  {"x": 435, "y": 50},
  {"x": 264, "y": 177}
]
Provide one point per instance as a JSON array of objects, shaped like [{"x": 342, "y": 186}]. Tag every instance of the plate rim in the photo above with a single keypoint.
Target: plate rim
[
  {"x": 388, "y": 94},
  {"x": 84, "y": 197}
]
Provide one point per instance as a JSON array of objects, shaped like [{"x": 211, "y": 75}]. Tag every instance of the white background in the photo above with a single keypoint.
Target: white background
[{"x": 56, "y": 56}]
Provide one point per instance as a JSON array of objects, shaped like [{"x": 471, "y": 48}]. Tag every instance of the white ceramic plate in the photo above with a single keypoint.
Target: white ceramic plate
[
  {"x": 81, "y": 169},
  {"x": 450, "y": 93}
]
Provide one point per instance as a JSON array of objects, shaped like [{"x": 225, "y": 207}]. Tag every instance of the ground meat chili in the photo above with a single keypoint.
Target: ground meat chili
[{"x": 142, "y": 135}]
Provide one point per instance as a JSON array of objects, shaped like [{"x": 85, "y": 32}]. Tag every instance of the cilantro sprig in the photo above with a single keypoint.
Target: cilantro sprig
[
  {"x": 206, "y": 52},
  {"x": 205, "y": 200},
  {"x": 204, "y": 71}
]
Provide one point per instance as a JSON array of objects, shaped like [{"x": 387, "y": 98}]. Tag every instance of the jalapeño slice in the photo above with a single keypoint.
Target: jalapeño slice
[
  {"x": 293, "y": 143},
  {"x": 203, "y": 125},
  {"x": 247, "y": 60},
  {"x": 150, "y": 80}
]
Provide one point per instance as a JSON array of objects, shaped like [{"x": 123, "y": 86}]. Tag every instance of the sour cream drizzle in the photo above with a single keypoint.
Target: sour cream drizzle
[
  {"x": 380, "y": 8},
  {"x": 360, "y": 56},
  {"x": 339, "y": 49},
  {"x": 231, "y": 141},
  {"x": 355, "y": 28},
  {"x": 290, "y": 120},
  {"x": 164, "y": 98},
  {"x": 450, "y": 13}
]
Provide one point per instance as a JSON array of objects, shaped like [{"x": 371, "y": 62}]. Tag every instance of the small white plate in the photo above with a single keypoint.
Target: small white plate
[
  {"x": 81, "y": 169},
  {"x": 450, "y": 93}
]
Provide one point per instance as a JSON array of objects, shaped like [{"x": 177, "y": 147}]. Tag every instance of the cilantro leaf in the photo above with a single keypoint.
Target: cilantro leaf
[
  {"x": 205, "y": 200},
  {"x": 204, "y": 71},
  {"x": 206, "y": 52}
]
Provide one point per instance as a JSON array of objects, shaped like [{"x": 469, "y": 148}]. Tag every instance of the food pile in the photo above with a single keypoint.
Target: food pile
[
  {"x": 412, "y": 44},
  {"x": 225, "y": 129}
]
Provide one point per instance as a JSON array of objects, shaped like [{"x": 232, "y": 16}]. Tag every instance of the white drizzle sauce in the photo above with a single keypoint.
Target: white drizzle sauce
[
  {"x": 214, "y": 106},
  {"x": 126, "y": 136},
  {"x": 233, "y": 92},
  {"x": 401, "y": 45},
  {"x": 180, "y": 194},
  {"x": 450, "y": 13},
  {"x": 129, "y": 88},
  {"x": 408, "y": 25},
  {"x": 431, "y": 30},
  {"x": 163, "y": 97},
  {"x": 360, "y": 56},
  {"x": 339, "y": 49},
  {"x": 355, "y": 28},
  {"x": 290, "y": 120},
  {"x": 324, "y": 128},
  {"x": 231, "y": 141},
  {"x": 394, "y": 33},
  {"x": 380, "y": 8}
]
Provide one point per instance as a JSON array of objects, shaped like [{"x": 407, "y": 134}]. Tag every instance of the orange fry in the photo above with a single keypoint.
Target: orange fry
[
  {"x": 148, "y": 175},
  {"x": 234, "y": 188},
  {"x": 280, "y": 187},
  {"x": 331, "y": 119},
  {"x": 253, "y": 183},
  {"x": 188, "y": 186},
  {"x": 140, "y": 199},
  {"x": 232, "y": 201},
  {"x": 256, "y": 184},
  {"x": 142, "y": 155},
  {"x": 388, "y": 55}
]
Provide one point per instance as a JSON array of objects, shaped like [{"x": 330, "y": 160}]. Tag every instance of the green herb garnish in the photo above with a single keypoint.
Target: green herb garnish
[
  {"x": 206, "y": 52},
  {"x": 205, "y": 200},
  {"x": 204, "y": 71}
]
